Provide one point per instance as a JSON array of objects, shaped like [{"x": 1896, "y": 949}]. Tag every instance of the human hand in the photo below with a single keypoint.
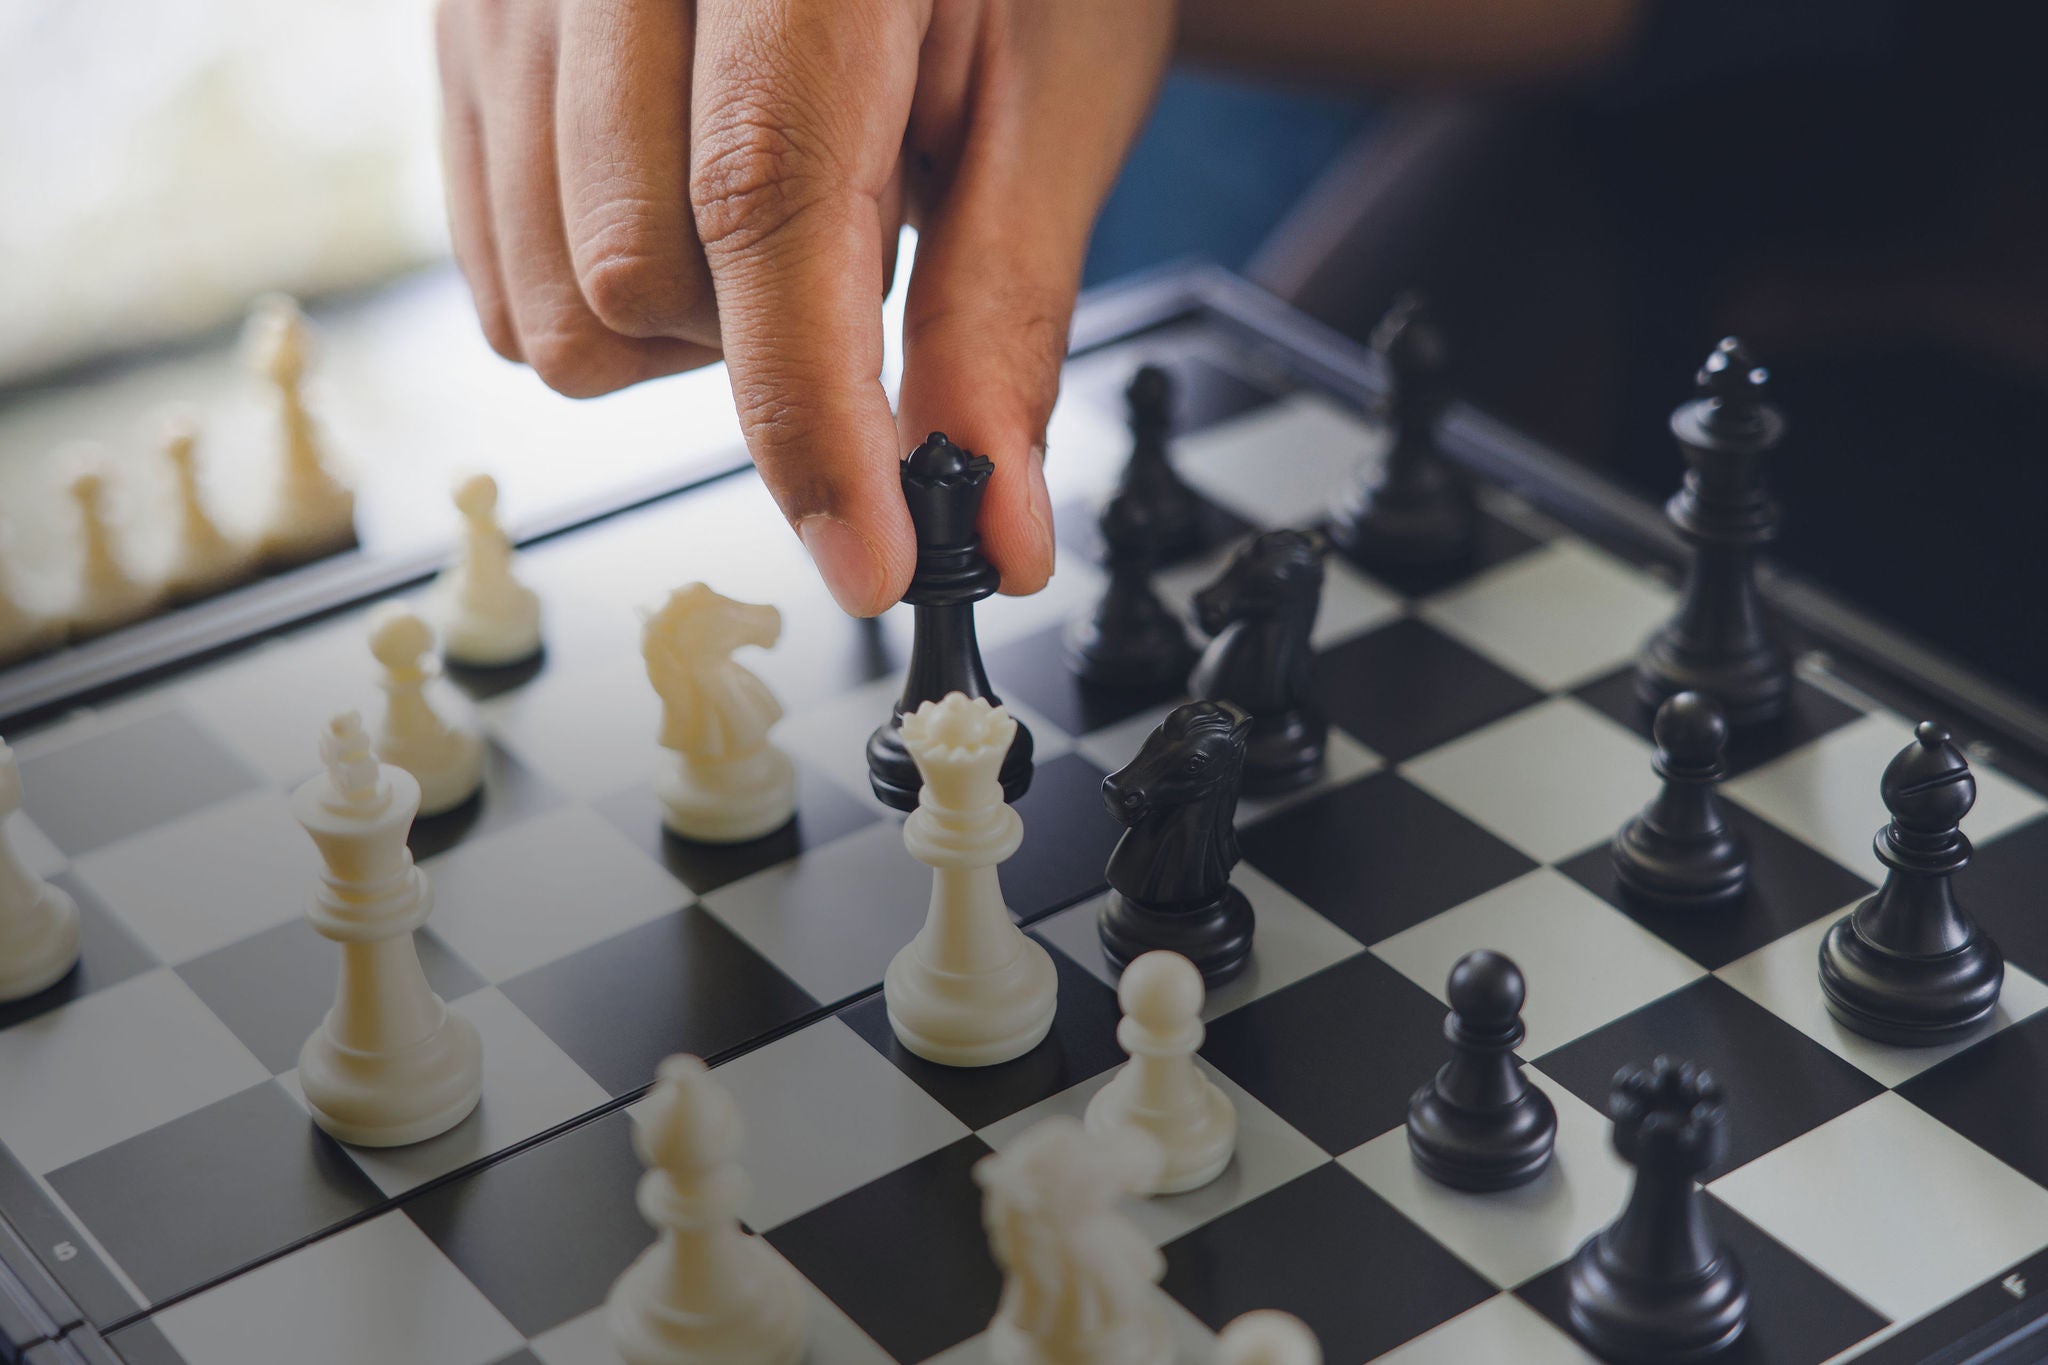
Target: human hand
[{"x": 638, "y": 187}]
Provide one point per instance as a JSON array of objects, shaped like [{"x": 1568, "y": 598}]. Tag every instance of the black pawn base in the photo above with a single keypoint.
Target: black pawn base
[
  {"x": 1485, "y": 1150},
  {"x": 1908, "y": 1001},
  {"x": 893, "y": 773},
  {"x": 1752, "y": 688},
  {"x": 1680, "y": 874},
  {"x": 1216, "y": 937},
  {"x": 1433, "y": 525},
  {"x": 1632, "y": 1321},
  {"x": 1284, "y": 753},
  {"x": 1145, "y": 656}
]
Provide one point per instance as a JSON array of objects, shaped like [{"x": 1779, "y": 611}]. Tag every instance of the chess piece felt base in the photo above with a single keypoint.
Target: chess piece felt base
[
  {"x": 1284, "y": 753},
  {"x": 1216, "y": 937},
  {"x": 768, "y": 1325},
  {"x": 398, "y": 1097},
  {"x": 1907, "y": 1001},
  {"x": 1137, "y": 652},
  {"x": 893, "y": 773},
  {"x": 1633, "y": 1321},
  {"x": 1486, "y": 1150},
  {"x": 45, "y": 947},
  {"x": 1679, "y": 872},
  {"x": 727, "y": 803},
  {"x": 1752, "y": 688}
]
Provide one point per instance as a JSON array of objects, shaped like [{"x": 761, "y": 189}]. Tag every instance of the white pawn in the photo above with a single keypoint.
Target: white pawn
[
  {"x": 24, "y": 631},
  {"x": 204, "y": 560},
  {"x": 489, "y": 618},
  {"x": 1161, "y": 1090},
  {"x": 391, "y": 1064},
  {"x": 970, "y": 989},
  {"x": 108, "y": 595},
  {"x": 38, "y": 921},
  {"x": 445, "y": 754},
  {"x": 725, "y": 782},
  {"x": 312, "y": 513},
  {"x": 705, "y": 1293},
  {"x": 1267, "y": 1336},
  {"x": 1080, "y": 1282}
]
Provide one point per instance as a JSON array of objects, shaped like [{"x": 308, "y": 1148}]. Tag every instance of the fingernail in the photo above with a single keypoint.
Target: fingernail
[
  {"x": 845, "y": 561},
  {"x": 1041, "y": 497}
]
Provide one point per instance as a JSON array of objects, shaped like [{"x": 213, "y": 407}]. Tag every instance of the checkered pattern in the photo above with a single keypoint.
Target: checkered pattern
[{"x": 167, "y": 1200}]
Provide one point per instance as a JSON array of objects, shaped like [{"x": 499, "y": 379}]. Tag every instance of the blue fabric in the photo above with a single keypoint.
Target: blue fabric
[{"x": 1218, "y": 166}]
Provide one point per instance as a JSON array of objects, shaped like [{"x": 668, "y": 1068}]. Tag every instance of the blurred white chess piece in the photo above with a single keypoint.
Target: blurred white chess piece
[
  {"x": 438, "y": 740},
  {"x": 1268, "y": 1337},
  {"x": 1160, "y": 1089},
  {"x": 488, "y": 617},
  {"x": 203, "y": 558},
  {"x": 312, "y": 512},
  {"x": 107, "y": 594},
  {"x": 38, "y": 921}
]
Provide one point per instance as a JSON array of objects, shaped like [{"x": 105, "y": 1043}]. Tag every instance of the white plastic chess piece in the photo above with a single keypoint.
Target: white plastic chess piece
[
  {"x": 489, "y": 618},
  {"x": 1268, "y": 1337},
  {"x": 970, "y": 989},
  {"x": 24, "y": 630},
  {"x": 38, "y": 921},
  {"x": 204, "y": 560},
  {"x": 108, "y": 595},
  {"x": 312, "y": 513},
  {"x": 391, "y": 1064},
  {"x": 705, "y": 1293},
  {"x": 1080, "y": 1282},
  {"x": 724, "y": 782},
  {"x": 442, "y": 747},
  {"x": 1161, "y": 1090}
]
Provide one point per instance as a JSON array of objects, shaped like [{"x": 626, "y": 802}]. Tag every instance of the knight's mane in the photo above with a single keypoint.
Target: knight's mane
[{"x": 1294, "y": 553}]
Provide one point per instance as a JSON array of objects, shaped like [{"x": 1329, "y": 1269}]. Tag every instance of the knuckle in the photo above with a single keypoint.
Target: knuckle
[
  {"x": 751, "y": 174},
  {"x": 573, "y": 364},
  {"x": 632, "y": 271}
]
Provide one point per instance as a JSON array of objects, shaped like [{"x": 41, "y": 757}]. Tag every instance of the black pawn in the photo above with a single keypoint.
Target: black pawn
[
  {"x": 943, "y": 486},
  {"x": 1169, "y": 874},
  {"x": 1131, "y": 641},
  {"x": 1176, "y": 513},
  {"x": 1411, "y": 510},
  {"x": 1654, "y": 1287},
  {"x": 1480, "y": 1125},
  {"x": 1681, "y": 853},
  {"x": 1909, "y": 966},
  {"x": 1716, "y": 642}
]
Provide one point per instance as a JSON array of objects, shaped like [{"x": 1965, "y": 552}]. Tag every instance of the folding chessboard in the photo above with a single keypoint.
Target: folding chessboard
[{"x": 164, "y": 1197}]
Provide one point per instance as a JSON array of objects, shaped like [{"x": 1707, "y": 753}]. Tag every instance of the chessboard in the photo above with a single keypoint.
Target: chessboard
[{"x": 166, "y": 1200}]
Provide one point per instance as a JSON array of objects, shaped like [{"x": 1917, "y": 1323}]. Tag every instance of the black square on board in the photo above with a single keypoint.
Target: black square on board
[
  {"x": 1034, "y": 670},
  {"x": 1791, "y": 884},
  {"x": 2002, "y": 887},
  {"x": 511, "y": 792},
  {"x": 1068, "y": 836},
  {"x": 122, "y": 782},
  {"x": 1995, "y": 1093},
  {"x": 1797, "y": 1315},
  {"x": 1333, "y": 1253},
  {"x": 1809, "y": 714},
  {"x": 905, "y": 1256},
  {"x": 272, "y": 989},
  {"x": 681, "y": 983},
  {"x": 544, "y": 1233},
  {"x": 1081, "y": 1044},
  {"x": 107, "y": 955},
  {"x": 1779, "y": 1082},
  {"x": 1406, "y": 688},
  {"x": 1379, "y": 855},
  {"x": 235, "y": 1181},
  {"x": 824, "y": 812},
  {"x": 1309, "y": 1051}
]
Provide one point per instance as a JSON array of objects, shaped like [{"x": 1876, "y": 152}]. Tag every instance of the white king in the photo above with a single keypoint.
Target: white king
[{"x": 970, "y": 989}]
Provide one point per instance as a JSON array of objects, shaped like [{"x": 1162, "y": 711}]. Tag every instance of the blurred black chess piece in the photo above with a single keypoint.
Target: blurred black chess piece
[
  {"x": 1131, "y": 641},
  {"x": 1410, "y": 510},
  {"x": 1909, "y": 966},
  {"x": 1260, "y": 613},
  {"x": 1717, "y": 642},
  {"x": 943, "y": 485},
  {"x": 1176, "y": 513}
]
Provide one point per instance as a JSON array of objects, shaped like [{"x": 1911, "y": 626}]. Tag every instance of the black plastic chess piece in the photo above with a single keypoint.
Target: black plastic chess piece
[
  {"x": 1131, "y": 641},
  {"x": 1681, "y": 852},
  {"x": 1654, "y": 1287},
  {"x": 1909, "y": 966},
  {"x": 1177, "y": 514},
  {"x": 1410, "y": 510},
  {"x": 1717, "y": 642},
  {"x": 1259, "y": 614},
  {"x": 1169, "y": 874},
  {"x": 943, "y": 485},
  {"x": 1480, "y": 1125}
]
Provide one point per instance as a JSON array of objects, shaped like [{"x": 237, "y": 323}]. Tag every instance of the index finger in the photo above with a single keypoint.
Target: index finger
[{"x": 798, "y": 112}]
